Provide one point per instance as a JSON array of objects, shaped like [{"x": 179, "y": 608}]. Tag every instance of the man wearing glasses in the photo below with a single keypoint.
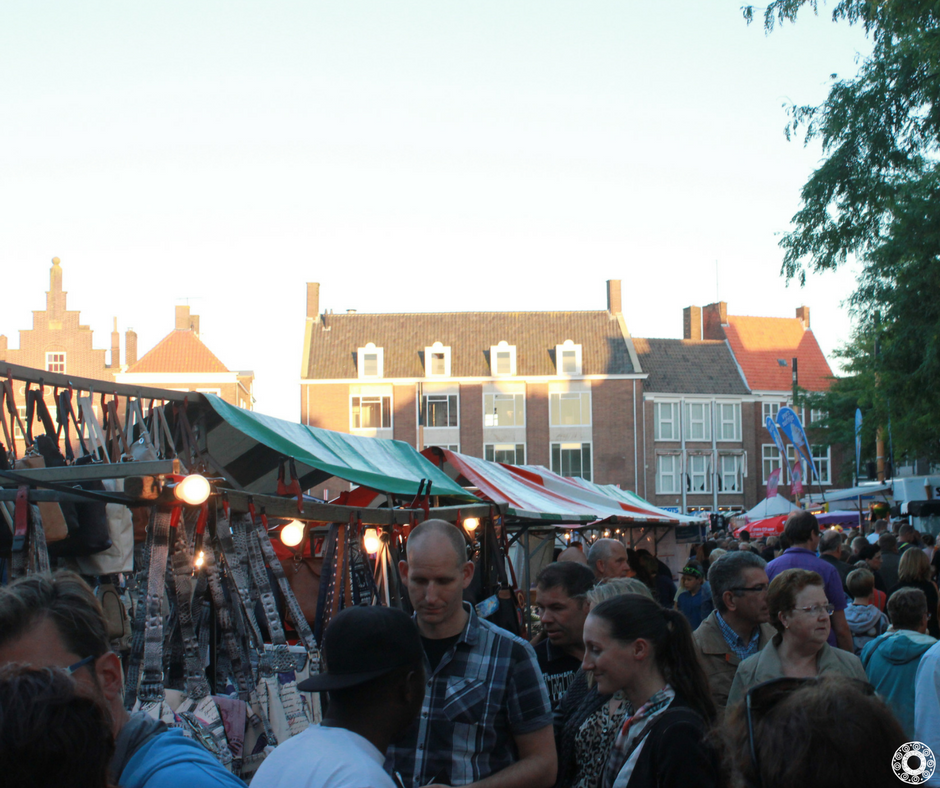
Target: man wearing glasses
[
  {"x": 738, "y": 627},
  {"x": 55, "y": 621}
]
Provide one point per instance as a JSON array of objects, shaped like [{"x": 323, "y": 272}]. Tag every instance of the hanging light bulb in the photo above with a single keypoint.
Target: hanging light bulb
[
  {"x": 370, "y": 541},
  {"x": 200, "y": 560},
  {"x": 567, "y": 536},
  {"x": 193, "y": 490},
  {"x": 471, "y": 524},
  {"x": 606, "y": 534},
  {"x": 292, "y": 534}
]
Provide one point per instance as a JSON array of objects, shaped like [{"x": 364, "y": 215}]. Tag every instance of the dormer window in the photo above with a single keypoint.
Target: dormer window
[
  {"x": 568, "y": 358},
  {"x": 370, "y": 361},
  {"x": 503, "y": 359},
  {"x": 437, "y": 361}
]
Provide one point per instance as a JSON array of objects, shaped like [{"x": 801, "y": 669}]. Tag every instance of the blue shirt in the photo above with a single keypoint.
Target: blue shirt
[
  {"x": 741, "y": 649},
  {"x": 927, "y": 704},
  {"x": 695, "y": 607},
  {"x": 801, "y": 558}
]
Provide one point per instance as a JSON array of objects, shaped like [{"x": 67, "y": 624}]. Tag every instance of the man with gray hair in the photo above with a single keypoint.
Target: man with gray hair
[
  {"x": 830, "y": 551},
  {"x": 608, "y": 558},
  {"x": 738, "y": 627}
]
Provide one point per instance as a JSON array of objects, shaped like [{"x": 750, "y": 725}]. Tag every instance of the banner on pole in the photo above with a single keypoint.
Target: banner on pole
[
  {"x": 772, "y": 483},
  {"x": 796, "y": 479},
  {"x": 789, "y": 422}
]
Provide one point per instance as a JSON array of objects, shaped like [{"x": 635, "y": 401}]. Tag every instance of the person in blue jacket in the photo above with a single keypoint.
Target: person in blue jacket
[
  {"x": 694, "y": 600},
  {"x": 56, "y": 621},
  {"x": 891, "y": 660}
]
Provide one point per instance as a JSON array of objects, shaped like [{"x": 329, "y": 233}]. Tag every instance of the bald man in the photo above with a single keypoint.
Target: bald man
[
  {"x": 486, "y": 716},
  {"x": 608, "y": 558}
]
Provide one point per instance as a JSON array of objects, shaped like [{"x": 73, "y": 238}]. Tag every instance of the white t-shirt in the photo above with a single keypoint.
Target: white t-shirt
[{"x": 323, "y": 757}]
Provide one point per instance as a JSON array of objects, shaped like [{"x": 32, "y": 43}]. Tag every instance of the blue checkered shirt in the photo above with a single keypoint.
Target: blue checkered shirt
[
  {"x": 741, "y": 649},
  {"x": 485, "y": 690}
]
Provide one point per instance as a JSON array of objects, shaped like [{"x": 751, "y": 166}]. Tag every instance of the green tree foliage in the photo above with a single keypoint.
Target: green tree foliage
[{"x": 876, "y": 199}]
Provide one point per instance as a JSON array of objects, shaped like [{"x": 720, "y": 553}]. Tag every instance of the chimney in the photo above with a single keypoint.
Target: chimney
[
  {"x": 182, "y": 317},
  {"x": 802, "y": 314},
  {"x": 313, "y": 299},
  {"x": 130, "y": 347},
  {"x": 614, "y": 304},
  {"x": 692, "y": 323},
  {"x": 3, "y": 346},
  {"x": 55, "y": 297},
  {"x": 714, "y": 316},
  {"x": 115, "y": 347},
  {"x": 194, "y": 324}
]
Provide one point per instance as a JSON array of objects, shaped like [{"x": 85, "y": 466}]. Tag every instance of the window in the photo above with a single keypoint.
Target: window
[
  {"x": 572, "y": 459},
  {"x": 570, "y": 408},
  {"x": 503, "y": 359},
  {"x": 371, "y": 413},
  {"x": 698, "y": 417},
  {"x": 666, "y": 416},
  {"x": 667, "y": 474},
  {"x": 731, "y": 477},
  {"x": 509, "y": 453},
  {"x": 55, "y": 362},
  {"x": 439, "y": 410},
  {"x": 449, "y": 446},
  {"x": 770, "y": 409},
  {"x": 770, "y": 460},
  {"x": 699, "y": 473},
  {"x": 504, "y": 410},
  {"x": 729, "y": 421},
  {"x": 816, "y": 415},
  {"x": 568, "y": 358},
  {"x": 370, "y": 361},
  {"x": 437, "y": 361},
  {"x": 821, "y": 461}
]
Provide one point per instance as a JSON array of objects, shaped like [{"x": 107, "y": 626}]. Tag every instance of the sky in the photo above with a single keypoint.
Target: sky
[{"x": 410, "y": 156}]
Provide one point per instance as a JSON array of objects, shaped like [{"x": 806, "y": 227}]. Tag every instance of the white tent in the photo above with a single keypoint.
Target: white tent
[{"x": 769, "y": 507}]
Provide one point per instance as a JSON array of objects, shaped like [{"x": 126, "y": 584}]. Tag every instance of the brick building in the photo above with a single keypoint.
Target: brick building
[{"x": 182, "y": 362}]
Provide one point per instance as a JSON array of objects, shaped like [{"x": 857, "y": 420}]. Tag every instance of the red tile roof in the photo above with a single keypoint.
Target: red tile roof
[
  {"x": 760, "y": 343},
  {"x": 179, "y": 351}
]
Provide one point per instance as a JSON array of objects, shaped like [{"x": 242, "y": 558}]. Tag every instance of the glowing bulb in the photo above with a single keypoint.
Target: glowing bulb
[
  {"x": 567, "y": 537},
  {"x": 292, "y": 534},
  {"x": 606, "y": 534},
  {"x": 370, "y": 541},
  {"x": 200, "y": 560},
  {"x": 471, "y": 524},
  {"x": 194, "y": 490}
]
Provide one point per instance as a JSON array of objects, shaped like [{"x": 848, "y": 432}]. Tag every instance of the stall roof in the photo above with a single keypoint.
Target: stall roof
[
  {"x": 249, "y": 447},
  {"x": 535, "y": 493},
  {"x": 862, "y": 491}
]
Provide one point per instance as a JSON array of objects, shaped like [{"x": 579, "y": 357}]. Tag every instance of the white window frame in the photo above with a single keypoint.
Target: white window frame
[
  {"x": 560, "y": 350},
  {"x": 581, "y": 446},
  {"x": 770, "y": 460},
  {"x": 495, "y": 350},
  {"x": 518, "y": 409},
  {"x": 722, "y": 422},
  {"x": 817, "y": 414},
  {"x": 705, "y": 421},
  {"x": 554, "y": 407},
  {"x": 770, "y": 409},
  {"x": 673, "y": 420},
  {"x": 672, "y": 473},
  {"x": 429, "y": 352},
  {"x": 372, "y": 397},
  {"x": 823, "y": 462},
  {"x": 370, "y": 349},
  {"x": 703, "y": 472},
  {"x": 513, "y": 446},
  {"x": 737, "y": 472},
  {"x": 437, "y": 396},
  {"x": 454, "y": 447},
  {"x": 52, "y": 363}
]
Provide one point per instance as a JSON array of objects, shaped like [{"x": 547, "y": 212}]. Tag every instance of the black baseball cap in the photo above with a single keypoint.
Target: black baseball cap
[{"x": 363, "y": 643}]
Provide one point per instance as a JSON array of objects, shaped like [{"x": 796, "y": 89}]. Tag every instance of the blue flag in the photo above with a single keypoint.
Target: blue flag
[
  {"x": 858, "y": 442},
  {"x": 790, "y": 423},
  {"x": 775, "y": 434}
]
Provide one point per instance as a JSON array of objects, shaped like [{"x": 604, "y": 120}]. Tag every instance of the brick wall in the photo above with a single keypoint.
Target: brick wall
[
  {"x": 612, "y": 417},
  {"x": 328, "y": 406},
  {"x": 536, "y": 419},
  {"x": 471, "y": 419},
  {"x": 405, "y": 425}
]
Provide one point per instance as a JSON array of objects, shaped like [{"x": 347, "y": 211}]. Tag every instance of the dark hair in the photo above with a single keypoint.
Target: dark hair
[
  {"x": 826, "y": 732},
  {"x": 860, "y": 582},
  {"x": 640, "y": 569},
  {"x": 907, "y": 608},
  {"x": 728, "y": 572},
  {"x": 800, "y": 526},
  {"x": 576, "y": 579},
  {"x": 868, "y": 552},
  {"x": 50, "y": 733},
  {"x": 66, "y": 600},
  {"x": 633, "y": 616},
  {"x": 781, "y": 594},
  {"x": 906, "y": 529},
  {"x": 888, "y": 543}
]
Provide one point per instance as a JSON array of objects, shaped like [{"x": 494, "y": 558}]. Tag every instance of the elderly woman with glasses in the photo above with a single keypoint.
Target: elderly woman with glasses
[{"x": 799, "y": 611}]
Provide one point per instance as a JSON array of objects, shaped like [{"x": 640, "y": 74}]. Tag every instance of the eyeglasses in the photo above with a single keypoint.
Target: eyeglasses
[
  {"x": 756, "y": 589},
  {"x": 761, "y": 698},
  {"x": 80, "y": 664},
  {"x": 816, "y": 610}
]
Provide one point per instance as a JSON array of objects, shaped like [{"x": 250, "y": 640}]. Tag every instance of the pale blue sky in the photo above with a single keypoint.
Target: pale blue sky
[{"x": 410, "y": 156}]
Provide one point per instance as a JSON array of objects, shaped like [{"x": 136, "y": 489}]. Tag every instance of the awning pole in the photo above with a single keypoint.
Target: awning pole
[{"x": 528, "y": 584}]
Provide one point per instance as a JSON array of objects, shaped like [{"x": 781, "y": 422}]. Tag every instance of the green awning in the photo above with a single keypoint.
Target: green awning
[{"x": 249, "y": 447}]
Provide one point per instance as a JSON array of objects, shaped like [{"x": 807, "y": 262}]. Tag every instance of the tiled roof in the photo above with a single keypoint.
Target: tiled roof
[
  {"x": 179, "y": 351},
  {"x": 470, "y": 335},
  {"x": 760, "y": 343},
  {"x": 685, "y": 366}
]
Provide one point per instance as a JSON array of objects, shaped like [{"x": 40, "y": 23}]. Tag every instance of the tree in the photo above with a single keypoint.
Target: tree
[{"x": 876, "y": 198}]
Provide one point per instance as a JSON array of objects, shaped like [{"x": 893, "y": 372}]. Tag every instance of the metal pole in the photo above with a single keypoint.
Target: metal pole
[{"x": 526, "y": 572}]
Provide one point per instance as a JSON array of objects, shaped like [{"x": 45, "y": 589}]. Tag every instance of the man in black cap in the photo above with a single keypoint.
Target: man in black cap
[{"x": 374, "y": 674}]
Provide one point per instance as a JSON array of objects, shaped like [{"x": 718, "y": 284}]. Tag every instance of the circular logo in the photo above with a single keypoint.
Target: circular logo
[{"x": 914, "y": 763}]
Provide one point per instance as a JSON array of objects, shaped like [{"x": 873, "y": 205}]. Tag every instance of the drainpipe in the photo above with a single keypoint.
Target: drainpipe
[
  {"x": 714, "y": 457},
  {"x": 682, "y": 457}
]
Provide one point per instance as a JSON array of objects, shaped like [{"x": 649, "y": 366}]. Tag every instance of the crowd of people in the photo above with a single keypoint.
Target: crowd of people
[{"x": 775, "y": 663}]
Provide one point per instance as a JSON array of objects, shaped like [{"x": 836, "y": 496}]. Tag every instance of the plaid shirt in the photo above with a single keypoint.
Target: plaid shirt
[
  {"x": 741, "y": 649},
  {"x": 485, "y": 690}
]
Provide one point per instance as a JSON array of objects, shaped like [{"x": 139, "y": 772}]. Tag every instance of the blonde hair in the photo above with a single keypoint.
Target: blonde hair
[{"x": 611, "y": 587}]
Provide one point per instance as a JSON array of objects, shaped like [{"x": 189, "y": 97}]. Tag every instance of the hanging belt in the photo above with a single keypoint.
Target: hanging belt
[
  {"x": 151, "y": 684},
  {"x": 140, "y": 619}
]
